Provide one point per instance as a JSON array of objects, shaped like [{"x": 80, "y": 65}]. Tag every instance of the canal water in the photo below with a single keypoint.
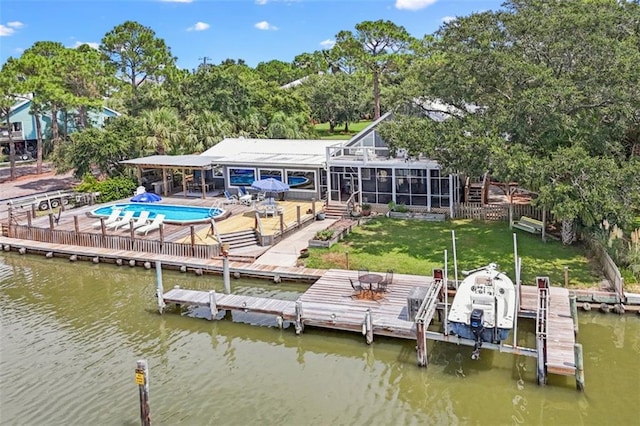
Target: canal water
[{"x": 72, "y": 332}]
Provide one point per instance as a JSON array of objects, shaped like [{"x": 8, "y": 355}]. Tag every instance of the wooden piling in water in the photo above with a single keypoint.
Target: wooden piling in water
[
  {"x": 573, "y": 308},
  {"x": 213, "y": 308},
  {"x": 421, "y": 344},
  {"x": 541, "y": 372},
  {"x": 226, "y": 278},
  {"x": 159, "y": 289},
  {"x": 577, "y": 350},
  {"x": 298, "y": 324},
  {"x": 142, "y": 373},
  {"x": 368, "y": 326}
]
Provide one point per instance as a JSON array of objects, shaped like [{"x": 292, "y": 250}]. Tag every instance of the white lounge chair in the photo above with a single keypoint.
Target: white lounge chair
[
  {"x": 115, "y": 214},
  {"x": 121, "y": 221},
  {"x": 155, "y": 224},
  {"x": 142, "y": 220}
]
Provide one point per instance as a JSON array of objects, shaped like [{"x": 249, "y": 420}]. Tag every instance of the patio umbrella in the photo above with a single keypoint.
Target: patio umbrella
[
  {"x": 270, "y": 185},
  {"x": 146, "y": 197}
]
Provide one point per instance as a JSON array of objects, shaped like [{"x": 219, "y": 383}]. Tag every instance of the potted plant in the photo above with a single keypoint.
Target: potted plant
[{"x": 366, "y": 209}]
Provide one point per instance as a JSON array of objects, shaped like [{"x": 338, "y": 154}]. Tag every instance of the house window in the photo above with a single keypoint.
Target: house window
[
  {"x": 275, "y": 174},
  {"x": 241, "y": 177},
  {"x": 301, "y": 180},
  {"x": 439, "y": 189}
]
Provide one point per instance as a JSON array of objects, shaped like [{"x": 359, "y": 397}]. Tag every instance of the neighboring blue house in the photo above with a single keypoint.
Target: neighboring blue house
[{"x": 23, "y": 127}]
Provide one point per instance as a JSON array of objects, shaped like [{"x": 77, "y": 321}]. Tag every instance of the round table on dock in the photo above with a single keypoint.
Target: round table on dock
[{"x": 370, "y": 279}]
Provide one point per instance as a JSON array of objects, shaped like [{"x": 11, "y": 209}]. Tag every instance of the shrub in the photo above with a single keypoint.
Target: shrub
[
  {"x": 366, "y": 206},
  {"x": 324, "y": 235},
  {"x": 110, "y": 189}
]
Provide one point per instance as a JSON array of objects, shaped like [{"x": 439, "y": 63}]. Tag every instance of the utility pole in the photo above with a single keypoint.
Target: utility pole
[{"x": 204, "y": 60}]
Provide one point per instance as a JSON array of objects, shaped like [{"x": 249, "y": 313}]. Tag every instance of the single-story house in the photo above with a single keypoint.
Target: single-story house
[{"x": 323, "y": 169}]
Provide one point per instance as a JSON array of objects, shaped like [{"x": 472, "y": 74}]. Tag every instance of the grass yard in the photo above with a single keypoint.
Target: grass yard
[
  {"x": 416, "y": 247},
  {"x": 322, "y": 130}
]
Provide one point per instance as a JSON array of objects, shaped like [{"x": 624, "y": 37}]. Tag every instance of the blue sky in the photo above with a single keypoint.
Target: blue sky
[{"x": 253, "y": 30}]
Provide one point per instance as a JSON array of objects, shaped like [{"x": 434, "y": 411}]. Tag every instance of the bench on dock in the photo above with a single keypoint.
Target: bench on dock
[{"x": 528, "y": 224}]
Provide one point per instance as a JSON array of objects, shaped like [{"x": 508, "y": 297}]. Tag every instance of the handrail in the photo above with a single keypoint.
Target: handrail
[
  {"x": 258, "y": 222},
  {"x": 351, "y": 203}
]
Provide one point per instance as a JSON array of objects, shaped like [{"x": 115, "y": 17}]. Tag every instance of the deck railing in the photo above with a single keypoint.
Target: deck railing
[
  {"x": 113, "y": 242},
  {"x": 496, "y": 212}
]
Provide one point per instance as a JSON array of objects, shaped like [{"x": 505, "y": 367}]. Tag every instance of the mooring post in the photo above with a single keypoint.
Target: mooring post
[
  {"x": 421, "y": 344},
  {"x": 298, "y": 216},
  {"x": 51, "y": 221},
  {"x": 226, "y": 278},
  {"x": 313, "y": 208},
  {"x": 142, "y": 380},
  {"x": 28, "y": 219},
  {"x": 159, "y": 289},
  {"x": 298, "y": 324},
  {"x": 76, "y": 224},
  {"x": 541, "y": 361},
  {"x": 368, "y": 325},
  {"x": 566, "y": 276},
  {"x": 213, "y": 308},
  {"x": 579, "y": 360},
  {"x": 192, "y": 230},
  {"x": 573, "y": 306}
]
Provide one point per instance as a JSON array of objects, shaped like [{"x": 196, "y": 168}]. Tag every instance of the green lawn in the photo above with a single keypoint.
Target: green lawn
[
  {"x": 322, "y": 130},
  {"x": 416, "y": 247}
]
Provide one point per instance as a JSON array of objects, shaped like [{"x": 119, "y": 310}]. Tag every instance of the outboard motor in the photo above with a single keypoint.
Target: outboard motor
[{"x": 477, "y": 329}]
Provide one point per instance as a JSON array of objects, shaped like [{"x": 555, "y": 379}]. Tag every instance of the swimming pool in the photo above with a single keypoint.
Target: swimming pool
[{"x": 180, "y": 215}]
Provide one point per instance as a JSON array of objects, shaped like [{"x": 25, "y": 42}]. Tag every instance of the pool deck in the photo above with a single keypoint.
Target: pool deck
[{"x": 241, "y": 218}]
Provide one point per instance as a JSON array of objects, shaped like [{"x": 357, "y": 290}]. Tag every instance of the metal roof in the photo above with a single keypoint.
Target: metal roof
[
  {"x": 298, "y": 152},
  {"x": 177, "y": 161}
]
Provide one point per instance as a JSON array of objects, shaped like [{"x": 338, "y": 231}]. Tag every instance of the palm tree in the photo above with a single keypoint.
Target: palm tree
[
  {"x": 163, "y": 132},
  {"x": 205, "y": 130}
]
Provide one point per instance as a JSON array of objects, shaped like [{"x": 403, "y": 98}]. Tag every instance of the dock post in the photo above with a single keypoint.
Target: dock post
[
  {"x": 541, "y": 361},
  {"x": 299, "y": 325},
  {"x": 28, "y": 219},
  {"x": 298, "y": 221},
  {"x": 573, "y": 306},
  {"x": 313, "y": 208},
  {"x": 76, "y": 224},
  {"x": 142, "y": 373},
  {"x": 159, "y": 289},
  {"x": 421, "y": 344},
  {"x": 51, "y": 221},
  {"x": 226, "y": 279},
  {"x": 368, "y": 327},
  {"x": 579, "y": 360},
  {"x": 213, "y": 308}
]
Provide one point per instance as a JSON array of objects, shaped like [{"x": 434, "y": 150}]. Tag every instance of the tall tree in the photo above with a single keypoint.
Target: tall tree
[
  {"x": 162, "y": 131},
  {"x": 137, "y": 54},
  {"x": 522, "y": 84},
  {"x": 378, "y": 47},
  {"x": 8, "y": 96}
]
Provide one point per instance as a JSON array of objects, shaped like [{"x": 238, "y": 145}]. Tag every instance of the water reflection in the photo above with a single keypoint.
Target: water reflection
[{"x": 81, "y": 327}]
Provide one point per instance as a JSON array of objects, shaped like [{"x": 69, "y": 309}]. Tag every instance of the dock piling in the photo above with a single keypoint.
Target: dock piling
[
  {"x": 421, "y": 344},
  {"x": 368, "y": 326},
  {"x": 213, "y": 309},
  {"x": 226, "y": 279},
  {"x": 299, "y": 325},
  {"x": 159, "y": 289},
  {"x": 573, "y": 307},
  {"x": 577, "y": 349},
  {"x": 142, "y": 373}
]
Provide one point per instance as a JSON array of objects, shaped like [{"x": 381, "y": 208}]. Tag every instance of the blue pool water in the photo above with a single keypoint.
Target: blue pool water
[
  {"x": 173, "y": 213},
  {"x": 247, "y": 180}
]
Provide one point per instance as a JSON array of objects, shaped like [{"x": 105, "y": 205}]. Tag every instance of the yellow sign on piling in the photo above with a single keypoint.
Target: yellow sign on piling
[{"x": 139, "y": 378}]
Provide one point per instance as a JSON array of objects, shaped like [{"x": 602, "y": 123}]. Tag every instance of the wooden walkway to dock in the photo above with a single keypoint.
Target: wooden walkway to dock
[{"x": 560, "y": 330}]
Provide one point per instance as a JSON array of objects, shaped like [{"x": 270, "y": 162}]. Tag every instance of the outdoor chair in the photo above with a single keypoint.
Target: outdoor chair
[
  {"x": 242, "y": 191},
  {"x": 142, "y": 220},
  {"x": 388, "y": 279},
  {"x": 356, "y": 286},
  {"x": 156, "y": 224},
  {"x": 115, "y": 214},
  {"x": 231, "y": 199},
  {"x": 124, "y": 220}
]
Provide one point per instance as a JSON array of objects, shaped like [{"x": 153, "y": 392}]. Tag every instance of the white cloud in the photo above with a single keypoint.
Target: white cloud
[
  {"x": 92, "y": 44},
  {"x": 261, "y": 2},
  {"x": 328, "y": 43},
  {"x": 264, "y": 25},
  {"x": 447, "y": 19},
  {"x": 15, "y": 24},
  {"x": 413, "y": 4},
  {"x": 19, "y": 49},
  {"x": 199, "y": 26},
  {"x": 6, "y": 31}
]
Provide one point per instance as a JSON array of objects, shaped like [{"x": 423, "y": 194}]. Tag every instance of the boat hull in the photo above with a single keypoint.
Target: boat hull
[{"x": 464, "y": 331}]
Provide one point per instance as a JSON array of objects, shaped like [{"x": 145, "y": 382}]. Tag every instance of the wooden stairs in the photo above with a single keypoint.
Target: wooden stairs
[
  {"x": 336, "y": 211},
  {"x": 240, "y": 239}
]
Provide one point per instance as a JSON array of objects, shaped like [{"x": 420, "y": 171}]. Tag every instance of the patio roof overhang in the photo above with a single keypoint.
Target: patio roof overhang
[{"x": 173, "y": 162}]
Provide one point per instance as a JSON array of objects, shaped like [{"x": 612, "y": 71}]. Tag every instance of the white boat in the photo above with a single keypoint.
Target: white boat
[{"x": 484, "y": 307}]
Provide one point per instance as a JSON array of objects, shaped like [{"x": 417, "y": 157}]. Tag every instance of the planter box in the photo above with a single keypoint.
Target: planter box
[
  {"x": 436, "y": 217},
  {"x": 338, "y": 234}
]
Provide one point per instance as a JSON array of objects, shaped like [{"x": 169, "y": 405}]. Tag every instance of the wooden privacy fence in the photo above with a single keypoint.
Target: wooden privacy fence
[
  {"x": 496, "y": 212},
  {"x": 113, "y": 242},
  {"x": 609, "y": 267}
]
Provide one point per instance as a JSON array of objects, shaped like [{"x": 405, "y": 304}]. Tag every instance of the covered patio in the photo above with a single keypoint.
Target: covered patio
[{"x": 204, "y": 184}]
